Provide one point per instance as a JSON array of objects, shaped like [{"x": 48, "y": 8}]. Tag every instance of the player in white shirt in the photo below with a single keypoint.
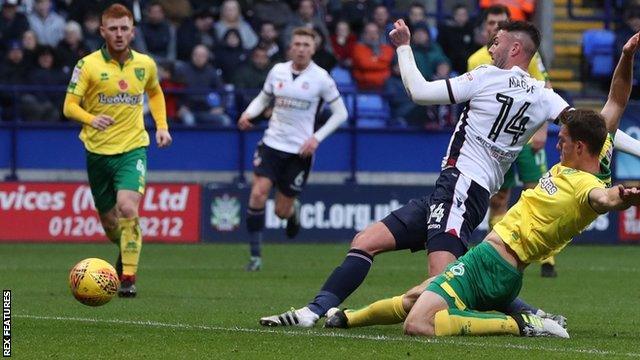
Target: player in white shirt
[
  {"x": 504, "y": 108},
  {"x": 284, "y": 156}
]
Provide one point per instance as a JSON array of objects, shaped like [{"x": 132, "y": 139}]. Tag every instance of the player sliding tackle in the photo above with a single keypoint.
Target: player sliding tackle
[
  {"x": 505, "y": 107},
  {"x": 545, "y": 219}
]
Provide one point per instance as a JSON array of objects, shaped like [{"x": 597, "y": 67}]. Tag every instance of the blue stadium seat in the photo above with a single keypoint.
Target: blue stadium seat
[
  {"x": 342, "y": 78},
  {"x": 598, "y": 50},
  {"x": 372, "y": 110}
]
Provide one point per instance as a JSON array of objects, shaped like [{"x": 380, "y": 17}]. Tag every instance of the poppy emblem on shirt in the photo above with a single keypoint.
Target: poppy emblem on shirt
[
  {"x": 305, "y": 85},
  {"x": 280, "y": 85},
  {"x": 123, "y": 85}
]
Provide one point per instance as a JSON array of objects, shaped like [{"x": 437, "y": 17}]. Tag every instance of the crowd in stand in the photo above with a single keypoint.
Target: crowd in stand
[{"x": 208, "y": 49}]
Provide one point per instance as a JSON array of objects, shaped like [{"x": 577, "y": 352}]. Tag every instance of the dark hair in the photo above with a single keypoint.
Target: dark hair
[
  {"x": 524, "y": 27},
  {"x": 496, "y": 10},
  {"x": 458, "y": 7},
  {"x": 417, "y": 4},
  {"x": 587, "y": 126}
]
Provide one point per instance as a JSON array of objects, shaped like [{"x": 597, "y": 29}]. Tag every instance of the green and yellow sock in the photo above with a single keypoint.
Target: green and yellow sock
[
  {"x": 382, "y": 312},
  {"x": 453, "y": 322},
  {"x": 130, "y": 245}
]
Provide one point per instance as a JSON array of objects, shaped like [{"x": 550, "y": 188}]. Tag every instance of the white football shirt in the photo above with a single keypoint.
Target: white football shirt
[
  {"x": 297, "y": 100},
  {"x": 504, "y": 108}
]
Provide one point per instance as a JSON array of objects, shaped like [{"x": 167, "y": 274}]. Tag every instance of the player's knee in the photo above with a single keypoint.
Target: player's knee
[
  {"x": 418, "y": 327},
  {"x": 283, "y": 211},
  {"x": 366, "y": 241},
  {"x": 127, "y": 209},
  {"x": 258, "y": 197},
  {"x": 255, "y": 220}
]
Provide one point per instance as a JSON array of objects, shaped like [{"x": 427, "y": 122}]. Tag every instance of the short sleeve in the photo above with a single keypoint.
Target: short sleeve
[
  {"x": 466, "y": 86},
  {"x": 80, "y": 79},
  {"x": 329, "y": 91},
  {"x": 583, "y": 185},
  {"x": 152, "y": 79},
  {"x": 268, "y": 83},
  {"x": 555, "y": 105}
]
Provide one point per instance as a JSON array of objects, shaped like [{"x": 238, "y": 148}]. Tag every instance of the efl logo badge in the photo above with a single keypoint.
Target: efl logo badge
[{"x": 123, "y": 85}]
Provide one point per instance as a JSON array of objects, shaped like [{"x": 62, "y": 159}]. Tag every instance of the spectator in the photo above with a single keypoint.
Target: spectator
[
  {"x": 269, "y": 42},
  {"x": 253, "y": 74},
  {"x": 47, "y": 24},
  {"x": 44, "y": 105},
  {"x": 275, "y": 12},
  {"x": 521, "y": 10},
  {"x": 630, "y": 27},
  {"x": 29, "y": 46},
  {"x": 230, "y": 54},
  {"x": 91, "y": 31},
  {"x": 403, "y": 111},
  {"x": 343, "y": 42},
  {"x": 79, "y": 9},
  {"x": 170, "y": 85},
  {"x": 322, "y": 57},
  {"x": 202, "y": 79},
  {"x": 456, "y": 39},
  {"x": 192, "y": 32},
  {"x": 356, "y": 12},
  {"x": 371, "y": 59},
  {"x": 12, "y": 24},
  {"x": 306, "y": 17},
  {"x": 427, "y": 53},
  {"x": 230, "y": 18},
  {"x": 71, "y": 48},
  {"x": 175, "y": 11},
  {"x": 381, "y": 18},
  {"x": 157, "y": 32},
  {"x": 12, "y": 72}
]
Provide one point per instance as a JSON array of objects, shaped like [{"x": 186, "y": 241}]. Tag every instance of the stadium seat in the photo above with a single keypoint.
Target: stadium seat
[
  {"x": 372, "y": 110},
  {"x": 343, "y": 78},
  {"x": 598, "y": 51}
]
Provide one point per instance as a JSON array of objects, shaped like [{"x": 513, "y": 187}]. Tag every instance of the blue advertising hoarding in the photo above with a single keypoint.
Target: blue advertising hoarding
[{"x": 335, "y": 213}]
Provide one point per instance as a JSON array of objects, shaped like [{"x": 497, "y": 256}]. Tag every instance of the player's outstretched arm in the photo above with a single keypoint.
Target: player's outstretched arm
[
  {"x": 255, "y": 108},
  {"x": 620, "y": 85},
  {"x": 72, "y": 110},
  {"x": 615, "y": 198},
  {"x": 419, "y": 90},
  {"x": 159, "y": 113}
]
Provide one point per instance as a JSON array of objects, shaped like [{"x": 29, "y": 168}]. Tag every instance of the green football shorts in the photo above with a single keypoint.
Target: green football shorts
[
  {"x": 110, "y": 173},
  {"x": 530, "y": 167},
  {"x": 480, "y": 280}
]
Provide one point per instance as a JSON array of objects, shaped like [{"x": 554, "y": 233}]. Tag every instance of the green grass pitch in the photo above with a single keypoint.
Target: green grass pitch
[{"x": 196, "y": 302}]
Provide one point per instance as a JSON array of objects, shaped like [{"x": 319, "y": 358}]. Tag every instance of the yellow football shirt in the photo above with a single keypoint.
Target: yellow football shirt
[
  {"x": 546, "y": 218},
  {"x": 106, "y": 87},
  {"x": 482, "y": 57}
]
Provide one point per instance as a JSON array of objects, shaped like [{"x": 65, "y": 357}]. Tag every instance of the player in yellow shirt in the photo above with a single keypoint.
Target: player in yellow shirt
[
  {"x": 545, "y": 219},
  {"x": 106, "y": 94},
  {"x": 532, "y": 160}
]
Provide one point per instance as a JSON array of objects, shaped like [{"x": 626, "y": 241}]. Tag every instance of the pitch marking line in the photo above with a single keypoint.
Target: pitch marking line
[{"x": 329, "y": 335}]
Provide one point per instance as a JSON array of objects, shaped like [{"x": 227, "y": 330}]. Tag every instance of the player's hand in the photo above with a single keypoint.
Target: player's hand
[
  {"x": 632, "y": 45},
  {"x": 400, "y": 35},
  {"x": 629, "y": 195},
  {"x": 244, "y": 122},
  {"x": 102, "y": 122},
  {"x": 163, "y": 138},
  {"x": 309, "y": 147}
]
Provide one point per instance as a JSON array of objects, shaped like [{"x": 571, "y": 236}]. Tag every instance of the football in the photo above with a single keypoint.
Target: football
[{"x": 93, "y": 281}]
